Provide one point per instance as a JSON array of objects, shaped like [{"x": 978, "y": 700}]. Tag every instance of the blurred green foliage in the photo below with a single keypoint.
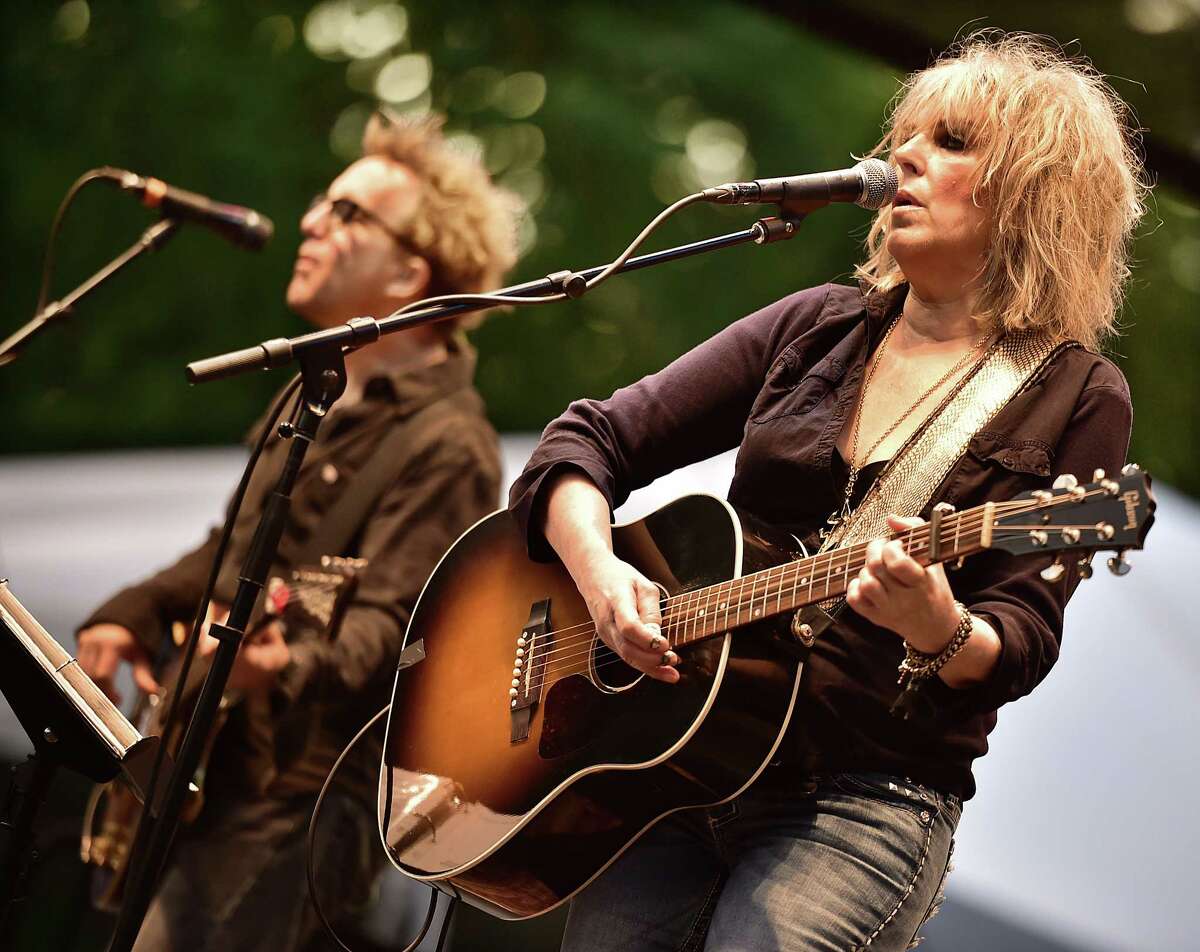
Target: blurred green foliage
[{"x": 260, "y": 103}]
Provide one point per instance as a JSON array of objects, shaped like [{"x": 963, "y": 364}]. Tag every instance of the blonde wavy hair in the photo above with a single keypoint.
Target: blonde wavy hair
[
  {"x": 1059, "y": 167},
  {"x": 463, "y": 224}
]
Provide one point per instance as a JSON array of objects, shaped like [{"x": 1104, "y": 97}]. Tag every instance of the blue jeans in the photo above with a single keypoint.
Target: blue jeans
[{"x": 838, "y": 863}]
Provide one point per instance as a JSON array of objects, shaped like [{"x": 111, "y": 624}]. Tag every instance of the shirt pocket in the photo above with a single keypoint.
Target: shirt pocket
[
  {"x": 790, "y": 390},
  {"x": 1028, "y": 457}
]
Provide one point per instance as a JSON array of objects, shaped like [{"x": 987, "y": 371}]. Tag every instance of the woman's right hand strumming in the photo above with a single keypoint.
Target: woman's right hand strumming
[{"x": 623, "y": 603}]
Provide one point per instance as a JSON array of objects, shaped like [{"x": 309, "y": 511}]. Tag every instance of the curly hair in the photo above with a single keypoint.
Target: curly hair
[
  {"x": 1060, "y": 168},
  {"x": 463, "y": 224}
]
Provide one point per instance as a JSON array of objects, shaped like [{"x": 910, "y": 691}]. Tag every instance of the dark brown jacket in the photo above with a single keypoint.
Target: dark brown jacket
[
  {"x": 449, "y": 478},
  {"x": 779, "y": 385}
]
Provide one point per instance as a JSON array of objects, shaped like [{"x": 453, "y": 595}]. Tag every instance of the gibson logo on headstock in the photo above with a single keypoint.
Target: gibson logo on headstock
[{"x": 1131, "y": 500}]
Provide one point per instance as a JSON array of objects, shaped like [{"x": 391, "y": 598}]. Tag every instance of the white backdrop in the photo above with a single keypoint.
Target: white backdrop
[{"x": 1083, "y": 831}]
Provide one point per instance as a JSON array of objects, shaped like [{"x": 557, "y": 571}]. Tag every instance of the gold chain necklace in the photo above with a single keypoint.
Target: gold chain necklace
[{"x": 853, "y": 465}]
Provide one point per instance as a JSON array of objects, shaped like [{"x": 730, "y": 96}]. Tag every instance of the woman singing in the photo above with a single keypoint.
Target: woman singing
[{"x": 1020, "y": 187}]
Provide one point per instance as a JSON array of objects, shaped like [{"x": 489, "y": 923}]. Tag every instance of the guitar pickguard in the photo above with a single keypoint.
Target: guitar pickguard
[{"x": 572, "y": 717}]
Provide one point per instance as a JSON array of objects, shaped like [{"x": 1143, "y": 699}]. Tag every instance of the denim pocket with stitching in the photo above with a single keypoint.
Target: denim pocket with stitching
[{"x": 894, "y": 791}]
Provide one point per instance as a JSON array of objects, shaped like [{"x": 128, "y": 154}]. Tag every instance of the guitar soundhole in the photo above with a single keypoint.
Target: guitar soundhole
[{"x": 608, "y": 671}]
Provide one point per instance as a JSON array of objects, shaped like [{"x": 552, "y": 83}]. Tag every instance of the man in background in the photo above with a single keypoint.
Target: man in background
[{"x": 413, "y": 218}]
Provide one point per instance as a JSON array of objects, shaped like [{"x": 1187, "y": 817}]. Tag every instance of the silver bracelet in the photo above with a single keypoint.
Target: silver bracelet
[{"x": 919, "y": 665}]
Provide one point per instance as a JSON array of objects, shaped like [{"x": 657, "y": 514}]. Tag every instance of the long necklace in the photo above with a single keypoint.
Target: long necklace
[{"x": 838, "y": 516}]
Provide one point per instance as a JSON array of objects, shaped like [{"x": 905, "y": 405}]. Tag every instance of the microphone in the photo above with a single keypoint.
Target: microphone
[
  {"x": 242, "y": 226},
  {"x": 870, "y": 184}
]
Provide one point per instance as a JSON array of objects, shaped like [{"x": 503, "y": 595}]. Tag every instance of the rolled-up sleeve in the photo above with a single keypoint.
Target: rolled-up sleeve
[{"x": 1009, "y": 593}]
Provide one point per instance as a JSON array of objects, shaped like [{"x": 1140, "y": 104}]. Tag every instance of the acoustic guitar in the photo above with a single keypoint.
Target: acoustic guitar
[
  {"x": 307, "y": 606},
  {"x": 523, "y": 756}
]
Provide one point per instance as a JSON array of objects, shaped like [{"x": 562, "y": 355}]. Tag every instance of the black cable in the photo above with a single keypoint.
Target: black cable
[
  {"x": 445, "y": 930},
  {"x": 312, "y": 871},
  {"x": 48, "y": 263},
  {"x": 235, "y": 505},
  {"x": 608, "y": 271}
]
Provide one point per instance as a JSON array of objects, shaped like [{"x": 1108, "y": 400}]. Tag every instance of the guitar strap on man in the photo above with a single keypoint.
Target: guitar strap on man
[
  {"x": 347, "y": 516},
  {"x": 908, "y": 481},
  {"x": 289, "y": 733}
]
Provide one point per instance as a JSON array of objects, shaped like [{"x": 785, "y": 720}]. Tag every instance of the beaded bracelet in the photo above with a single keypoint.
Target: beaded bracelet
[{"x": 919, "y": 666}]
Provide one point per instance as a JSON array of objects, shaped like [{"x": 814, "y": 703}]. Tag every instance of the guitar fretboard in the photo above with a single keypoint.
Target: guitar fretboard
[{"x": 702, "y": 613}]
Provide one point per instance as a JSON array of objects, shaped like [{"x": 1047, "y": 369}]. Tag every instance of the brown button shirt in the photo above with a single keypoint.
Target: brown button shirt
[
  {"x": 448, "y": 479},
  {"x": 779, "y": 385}
]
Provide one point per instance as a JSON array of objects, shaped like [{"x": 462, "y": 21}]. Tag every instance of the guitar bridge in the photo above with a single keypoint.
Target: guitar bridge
[{"x": 527, "y": 673}]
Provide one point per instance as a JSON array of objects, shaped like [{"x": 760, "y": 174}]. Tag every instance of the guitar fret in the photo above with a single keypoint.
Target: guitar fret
[
  {"x": 706, "y": 628},
  {"x": 689, "y": 617},
  {"x": 679, "y": 617}
]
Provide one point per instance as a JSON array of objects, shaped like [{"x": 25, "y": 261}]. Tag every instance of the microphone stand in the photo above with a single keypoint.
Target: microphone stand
[
  {"x": 152, "y": 239},
  {"x": 323, "y": 372},
  {"x": 365, "y": 330}
]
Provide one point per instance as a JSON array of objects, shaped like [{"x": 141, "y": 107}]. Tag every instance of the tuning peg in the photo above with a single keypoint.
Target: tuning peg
[
  {"x": 1052, "y": 573},
  {"x": 1098, "y": 475},
  {"x": 1066, "y": 481},
  {"x": 1117, "y": 564},
  {"x": 1085, "y": 567},
  {"x": 1130, "y": 468}
]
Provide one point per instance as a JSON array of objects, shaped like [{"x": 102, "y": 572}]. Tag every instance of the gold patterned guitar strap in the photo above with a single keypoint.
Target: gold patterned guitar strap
[{"x": 907, "y": 483}]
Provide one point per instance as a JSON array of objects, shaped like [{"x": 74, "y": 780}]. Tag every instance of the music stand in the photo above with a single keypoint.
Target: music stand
[{"x": 71, "y": 724}]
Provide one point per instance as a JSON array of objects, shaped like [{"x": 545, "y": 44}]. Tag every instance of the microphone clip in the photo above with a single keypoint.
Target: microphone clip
[{"x": 769, "y": 230}]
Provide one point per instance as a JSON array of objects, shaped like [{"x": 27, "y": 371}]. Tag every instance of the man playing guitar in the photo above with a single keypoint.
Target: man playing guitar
[{"x": 411, "y": 219}]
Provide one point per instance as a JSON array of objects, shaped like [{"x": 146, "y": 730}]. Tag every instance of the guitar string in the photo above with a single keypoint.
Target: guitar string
[
  {"x": 567, "y": 650},
  {"x": 919, "y": 537},
  {"x": 787, "y": 579},
  {"x": 673, "y": 600},
  {"x": 606, "y": 656},
  {"x": 917, "y": 544}
]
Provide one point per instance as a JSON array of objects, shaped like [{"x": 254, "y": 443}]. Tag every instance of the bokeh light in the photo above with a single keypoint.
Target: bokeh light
[
  {"x": 341, "y": 29},
  {"x": 72, "y": 20},
  {"x": 1161, "y": 16},
  {"x": 404, "y": 78},
  {"x": 520, "y": 95}
]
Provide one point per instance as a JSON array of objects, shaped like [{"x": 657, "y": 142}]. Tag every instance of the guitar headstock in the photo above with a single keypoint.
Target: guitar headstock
[{"x": 1106, "y": 514}]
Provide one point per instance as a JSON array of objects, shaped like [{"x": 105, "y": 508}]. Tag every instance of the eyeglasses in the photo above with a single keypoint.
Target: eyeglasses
[{"x": 347, "y": 210}]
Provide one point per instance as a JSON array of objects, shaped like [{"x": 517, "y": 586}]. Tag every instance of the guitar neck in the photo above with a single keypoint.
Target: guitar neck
[{"x": 706, "y": 612}]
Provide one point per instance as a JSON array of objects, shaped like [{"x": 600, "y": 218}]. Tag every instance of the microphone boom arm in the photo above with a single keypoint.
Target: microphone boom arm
[
  {"x": 364, "y": 330},
  {"x": 152, "y": 239}
]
